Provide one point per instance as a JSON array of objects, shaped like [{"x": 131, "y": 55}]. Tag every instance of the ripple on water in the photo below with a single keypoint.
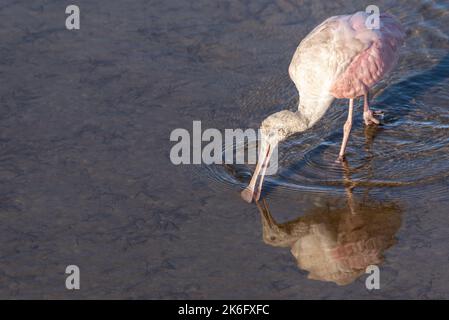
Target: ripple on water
[{"x": 410, "y": 149}]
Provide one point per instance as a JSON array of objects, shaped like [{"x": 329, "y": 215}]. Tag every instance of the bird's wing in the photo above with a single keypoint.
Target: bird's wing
[
  {"x": 370, "y": 65},
  {"x": 342, "y": 56}
]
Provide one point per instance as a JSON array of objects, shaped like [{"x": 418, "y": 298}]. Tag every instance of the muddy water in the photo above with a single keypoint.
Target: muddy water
[{"x": 86, "y": 179}]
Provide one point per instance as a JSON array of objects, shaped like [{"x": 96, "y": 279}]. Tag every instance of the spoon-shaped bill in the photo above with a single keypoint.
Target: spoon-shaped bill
[{"x": 264, "y": 159}]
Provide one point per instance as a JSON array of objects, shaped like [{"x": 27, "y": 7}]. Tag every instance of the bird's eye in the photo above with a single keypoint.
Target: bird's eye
[{"x": 272, "y": 238}]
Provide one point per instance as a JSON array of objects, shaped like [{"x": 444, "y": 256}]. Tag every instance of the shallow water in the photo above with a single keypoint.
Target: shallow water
[{"x": 86, "y": 177}]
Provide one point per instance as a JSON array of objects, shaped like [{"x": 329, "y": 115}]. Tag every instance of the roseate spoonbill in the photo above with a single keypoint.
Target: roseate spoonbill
[{"x": 340, "y": 58}]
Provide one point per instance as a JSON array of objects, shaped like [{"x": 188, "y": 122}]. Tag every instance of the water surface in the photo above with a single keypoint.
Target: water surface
[{"x": 86, "y": 177}]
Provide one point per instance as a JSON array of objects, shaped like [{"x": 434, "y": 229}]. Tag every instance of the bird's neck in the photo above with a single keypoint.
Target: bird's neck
[{"x": 312, "y": 108}]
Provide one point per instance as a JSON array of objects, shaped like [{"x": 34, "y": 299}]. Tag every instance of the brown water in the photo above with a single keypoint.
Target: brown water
[{"x": 86, "y": 177}]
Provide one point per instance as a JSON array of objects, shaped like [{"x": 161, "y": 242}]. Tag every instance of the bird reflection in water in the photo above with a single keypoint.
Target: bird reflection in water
[{"x": 336, "y": 244}]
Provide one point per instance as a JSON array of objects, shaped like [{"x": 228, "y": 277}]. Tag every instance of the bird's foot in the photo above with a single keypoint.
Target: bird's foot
[{"x": 368, "y": 117}]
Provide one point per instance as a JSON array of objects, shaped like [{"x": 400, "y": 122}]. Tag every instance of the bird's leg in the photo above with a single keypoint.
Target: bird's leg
[
  {"x": 368, "y": 115},
  {"x": 346, "y": 130}
]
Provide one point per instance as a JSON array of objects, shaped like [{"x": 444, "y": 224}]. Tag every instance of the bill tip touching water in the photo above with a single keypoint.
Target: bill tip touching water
[{"x": 340, "y": 59}]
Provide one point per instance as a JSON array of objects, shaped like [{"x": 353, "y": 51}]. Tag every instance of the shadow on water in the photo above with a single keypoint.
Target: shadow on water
[{"x": 337, "y": 243}]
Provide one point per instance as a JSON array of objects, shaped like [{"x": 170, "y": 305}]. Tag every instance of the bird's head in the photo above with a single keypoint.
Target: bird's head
[
  {"x": 279, "y": 126},
  {"x": 274, "y": 129}
]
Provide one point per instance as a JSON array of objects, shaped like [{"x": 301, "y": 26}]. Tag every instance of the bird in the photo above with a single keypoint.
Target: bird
[{"x": 342, "y": 58}]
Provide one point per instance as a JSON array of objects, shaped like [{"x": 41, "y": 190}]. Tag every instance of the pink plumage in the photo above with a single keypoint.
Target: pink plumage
[{"x": 374, "y": 62}]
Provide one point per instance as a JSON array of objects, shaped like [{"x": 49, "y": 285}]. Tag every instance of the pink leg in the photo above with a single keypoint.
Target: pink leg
[
  {"x": 346, "y": 130},
  {"x": 368, "y": 115}
]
